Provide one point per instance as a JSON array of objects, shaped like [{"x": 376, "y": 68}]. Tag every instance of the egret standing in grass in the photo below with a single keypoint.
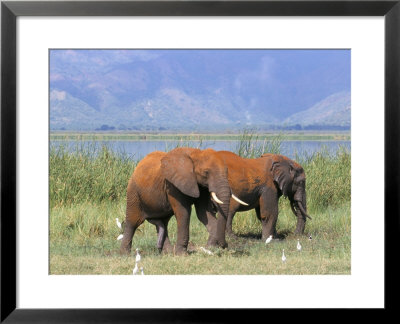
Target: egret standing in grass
[
  {"x": 298, "y": 245},
  {"x": 135, "y": 269},
  {"x": 283, "y": 256},
  {"x": 269, "y": 239},
  {"x": 138, "y": 257},
  {"x": 206, "y": 251},
  {"x": 118, "y": 223}
]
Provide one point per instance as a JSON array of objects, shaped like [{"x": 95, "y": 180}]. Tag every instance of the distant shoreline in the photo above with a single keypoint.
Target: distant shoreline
[{"x": 122, "y": 136}]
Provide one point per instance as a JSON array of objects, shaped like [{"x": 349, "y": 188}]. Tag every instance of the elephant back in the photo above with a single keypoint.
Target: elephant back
[{"x": 147, "y": 172}]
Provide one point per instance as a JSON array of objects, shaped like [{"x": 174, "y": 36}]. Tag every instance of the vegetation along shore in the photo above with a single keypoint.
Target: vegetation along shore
[{"x": 88, "y": 191}]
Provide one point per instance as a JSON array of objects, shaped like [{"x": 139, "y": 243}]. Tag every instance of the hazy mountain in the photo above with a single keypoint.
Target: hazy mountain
[
  {"x": 190, "y": 89},
  {"x": 333, "y": 110}
]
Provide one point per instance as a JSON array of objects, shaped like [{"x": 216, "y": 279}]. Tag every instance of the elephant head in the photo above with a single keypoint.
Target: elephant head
[
  {"x": 290, "y": 178},
  {"x": 189, "y": 168}
]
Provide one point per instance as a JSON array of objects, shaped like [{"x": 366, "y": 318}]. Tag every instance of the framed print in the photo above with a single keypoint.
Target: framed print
[{"x": 91, "y": 89}]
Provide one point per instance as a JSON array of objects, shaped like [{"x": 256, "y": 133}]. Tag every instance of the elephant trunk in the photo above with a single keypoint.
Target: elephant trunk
[
  {"x": 223, "y": 192},
  {"x": 303, "y": 210},
  {"x": 299, "y": 208}
]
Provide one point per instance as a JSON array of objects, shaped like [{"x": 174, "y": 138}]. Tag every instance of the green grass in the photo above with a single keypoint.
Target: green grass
[
  {"x": 252, "y": 145},
  {"x": 87, "y": 193},
  {"x": 90, "y": 173},
  {"x": 96, "y": 174},
  {"x": 328, "y": 178},
  {"x": 83, "y": 241}
]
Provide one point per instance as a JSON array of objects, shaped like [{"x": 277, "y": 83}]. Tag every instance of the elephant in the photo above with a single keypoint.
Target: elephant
[
  {"x": 260, "y": 182},
  {"x": 167, "y": 184}
]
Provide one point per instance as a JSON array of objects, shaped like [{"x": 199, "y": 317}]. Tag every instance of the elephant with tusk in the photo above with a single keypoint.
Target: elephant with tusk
[
  {"x": 167, "y": 184},
  {"x": 258, "y": 184}
]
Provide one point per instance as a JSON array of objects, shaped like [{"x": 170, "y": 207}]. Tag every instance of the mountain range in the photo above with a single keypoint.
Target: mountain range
[{"x": 198, "y": 90}]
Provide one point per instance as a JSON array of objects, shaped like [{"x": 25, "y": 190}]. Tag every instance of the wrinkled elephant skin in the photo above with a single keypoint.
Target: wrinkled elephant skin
[
  {"x": 260, "y": 183},
  {"x": 167, "y": 184}
]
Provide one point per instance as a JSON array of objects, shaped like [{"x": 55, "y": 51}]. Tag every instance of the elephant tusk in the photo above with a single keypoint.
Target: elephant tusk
[
  {"x": 239, "y": 201},
  {"x": 302, "y": 209},
  {"x": 216, "y": 198}
]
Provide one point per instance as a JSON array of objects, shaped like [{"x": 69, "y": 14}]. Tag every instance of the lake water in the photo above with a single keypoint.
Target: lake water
[{"x": 138, "y": 149}]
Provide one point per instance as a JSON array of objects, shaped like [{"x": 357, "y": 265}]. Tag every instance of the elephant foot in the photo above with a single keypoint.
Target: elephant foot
[
  {"x": 124, "y": 251},
  {"x": 232, "y": 235},
  {"x": 268, "y": 233},
  {"x": 167, "y": 249},
  {"x": 264, "y": 237},
  {"x": 213, "y": 242},
  {"x": 223, "y": 245},
  {"x": 181, "y": 250}
]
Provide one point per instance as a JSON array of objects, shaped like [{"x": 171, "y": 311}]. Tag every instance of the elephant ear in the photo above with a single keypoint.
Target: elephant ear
[
  {"x": 178, "y": 169},
  {"x": 283, "y": 174}
]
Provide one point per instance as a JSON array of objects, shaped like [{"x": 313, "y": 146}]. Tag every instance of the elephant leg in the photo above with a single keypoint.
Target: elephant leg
[
  {"x": 133, "y": 219},
  {"x": 229, "y": 221},
  {"x": 268, "y": 213},
  {"x": 211, "y": 222},
  {"x": 181, "y": 206},
  {"x": 161, "y": 232},
  {"x": 167, "y": 246},
  {"x": 258, "y": 213},
  {"x": 207, "y": 217},
  {"x": 212, "y": 228},
  {"x": 182, "y": 214},
  {"x": 265, "y": 226},
  {"x": 131, "y": 225},
  {"x": 300, "y": 226}
]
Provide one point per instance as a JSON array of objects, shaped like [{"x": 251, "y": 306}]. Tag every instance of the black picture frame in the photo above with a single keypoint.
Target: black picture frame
[{"x": 10, "y": 10}]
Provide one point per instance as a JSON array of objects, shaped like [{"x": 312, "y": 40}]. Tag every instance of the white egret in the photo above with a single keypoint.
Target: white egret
[
  {"x": 298, "y": 245},
  {"x": 135, "y": 269},
  {"x": 138, "y": 257},
  {"x": 118, "y": 223},
  {"x": 206, "y": 251},
  {"x": 269, "y": 239},
  {"x": 283, "y": 256},
  {"x": 120, "y": 236},
  {"x": 141, "y": 271}
]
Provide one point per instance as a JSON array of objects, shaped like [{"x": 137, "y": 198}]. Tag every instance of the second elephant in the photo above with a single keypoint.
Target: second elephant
[{"x": 261, "y": 182}]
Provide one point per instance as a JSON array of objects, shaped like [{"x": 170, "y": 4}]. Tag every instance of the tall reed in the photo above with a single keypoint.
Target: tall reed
[
  {"x": 94, "y": 173},
  {"x": 88, "y": 172},
  {"x": 328, "y": 178},
  {"x": 252, "y": 145}
]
